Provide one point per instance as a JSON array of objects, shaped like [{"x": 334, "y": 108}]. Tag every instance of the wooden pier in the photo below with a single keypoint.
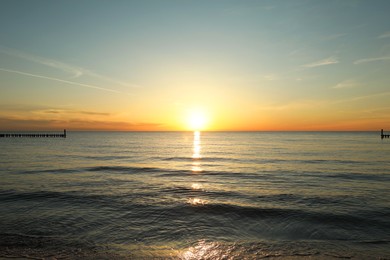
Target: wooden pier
[
  {"x": 31, "y": 135},
  {"x": 383, "y": 135}
]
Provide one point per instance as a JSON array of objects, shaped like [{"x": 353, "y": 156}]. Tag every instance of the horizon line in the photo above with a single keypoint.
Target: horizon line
[{"x": 160, "y": 131}]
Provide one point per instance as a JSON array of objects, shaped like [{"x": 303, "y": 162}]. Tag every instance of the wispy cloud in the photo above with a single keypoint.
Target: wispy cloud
[
  {"x": 346, "y": 84},
  {"x": 39, "y": 117},
  {"x": 74, "y": 71},
  {"x": 324, "y": 62},
  {"x": 383, "y": 58},
  {"x": 271, "y": 77},
  {"x": 60, "y": 80},
  {"x": 13, "y": 123},
  {"x": 67, "y": 111},
  {"x": 245, "y": 9},
  {"x": 333, "y": 36},
  {"x": 358, "y": 98},
  {"x": 293, "y": 105},
  {"x": 384, "y": 35},
  {"x": 29, "y": 109},
  {"x": 315, "y": 103}
]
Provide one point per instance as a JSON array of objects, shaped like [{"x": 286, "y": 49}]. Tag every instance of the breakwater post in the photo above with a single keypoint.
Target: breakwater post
[
  {"x": 383, "y": 135},
  {"x": 34, "y": 135}
]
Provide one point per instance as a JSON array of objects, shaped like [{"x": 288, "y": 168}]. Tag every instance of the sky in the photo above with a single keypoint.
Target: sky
[{"x": 155, "y": 65}]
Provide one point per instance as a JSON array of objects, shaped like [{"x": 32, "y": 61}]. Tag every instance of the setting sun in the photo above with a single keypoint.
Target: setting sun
[{"x": 197, "y": 120}]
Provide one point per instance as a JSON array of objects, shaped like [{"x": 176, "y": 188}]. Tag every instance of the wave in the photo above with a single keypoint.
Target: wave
[
  {"x": 204, "y": 159},
  {"x": 108, "y": 168},
  {"x": 354, "y": 220},
  {"x": 43, "y": 247},
  {"x": 214, "y": 209},
  {"x": 149, "y": 212},
  {"x": 124, "y": 169},
  {"x": 107, "y": 157},
  {"x": 27, "y": 246},
  {"x": 57, "y": 170},
  {"x": 264, "y": 160},
  {"x": 359, "y": 176},
  {"x": 253, "y": 174},
  {"x": 71, "y": 197},
  {"x": 290, "y": 200}
]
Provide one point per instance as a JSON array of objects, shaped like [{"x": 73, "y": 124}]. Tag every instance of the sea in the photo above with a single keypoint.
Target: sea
[{"x": 196, "y": 195}]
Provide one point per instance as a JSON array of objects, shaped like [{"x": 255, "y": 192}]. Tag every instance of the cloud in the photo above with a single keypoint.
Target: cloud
[
  {"x": 333, "y": 36},
  {"x": 31, "y": 124},
  {"x": 271, "y": 77},
  {"x": 315, "y": 103},
  {"x": 293, "y": 105},
  {"x": 240, "y": 10},
  {"x": 383, "y": 58},
  {"x": 384, "y": 35},
  {"x": 21, "y": 107},
  {"x": 60, "y": 80},
  {"x": 45, "y": 110},
  {"x": 327, "y": 61},
  {"x": 91, "y": 113},
  {"x": 74, "y": 71},
  {"x": 28, "y": 117},
  {"x": 65, "y": 111},
  {"x": 346, "y": 84}
]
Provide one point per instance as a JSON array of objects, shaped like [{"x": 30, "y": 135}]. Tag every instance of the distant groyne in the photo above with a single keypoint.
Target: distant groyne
[
  {"x": 383, "y": 135},
  {"x": 31, "y": 135}
]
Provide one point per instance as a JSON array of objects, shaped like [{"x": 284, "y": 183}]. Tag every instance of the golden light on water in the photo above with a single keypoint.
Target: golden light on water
[
  {"x": 196, "y": 168},
  {"x": 196, "y": 156},
  {"x": 204, "y": 250},
  {"x": 196, "y": 186},
  {"x": 196, "y": 146},
  {"x": 197, "y": 201}
]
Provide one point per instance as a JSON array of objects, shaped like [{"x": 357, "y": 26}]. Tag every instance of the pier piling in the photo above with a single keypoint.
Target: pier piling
[
  {"x": 384, "y": 135},
  {"x": 40, "y": 135}
]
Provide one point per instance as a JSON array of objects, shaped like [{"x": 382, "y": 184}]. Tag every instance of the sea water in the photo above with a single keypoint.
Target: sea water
[{"x": 196, "y": 195}]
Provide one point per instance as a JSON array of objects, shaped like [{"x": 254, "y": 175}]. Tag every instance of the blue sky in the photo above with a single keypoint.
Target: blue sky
[{"x": 142, "y": 65}]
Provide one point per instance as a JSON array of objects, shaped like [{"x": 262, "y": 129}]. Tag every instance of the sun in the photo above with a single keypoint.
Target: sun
[{"x": 197, "y": 120}]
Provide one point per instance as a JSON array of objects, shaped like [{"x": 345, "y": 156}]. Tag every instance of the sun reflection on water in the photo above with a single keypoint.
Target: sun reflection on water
[
  {"x": 197, "y": 201},
  {"x": 196, "y": 186},
  {"x": 204, "y": 250},
  {"x": 196, "y": 153},
  {"x": 196, "y": 156},
  {"x": 196, "y": 168}
]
